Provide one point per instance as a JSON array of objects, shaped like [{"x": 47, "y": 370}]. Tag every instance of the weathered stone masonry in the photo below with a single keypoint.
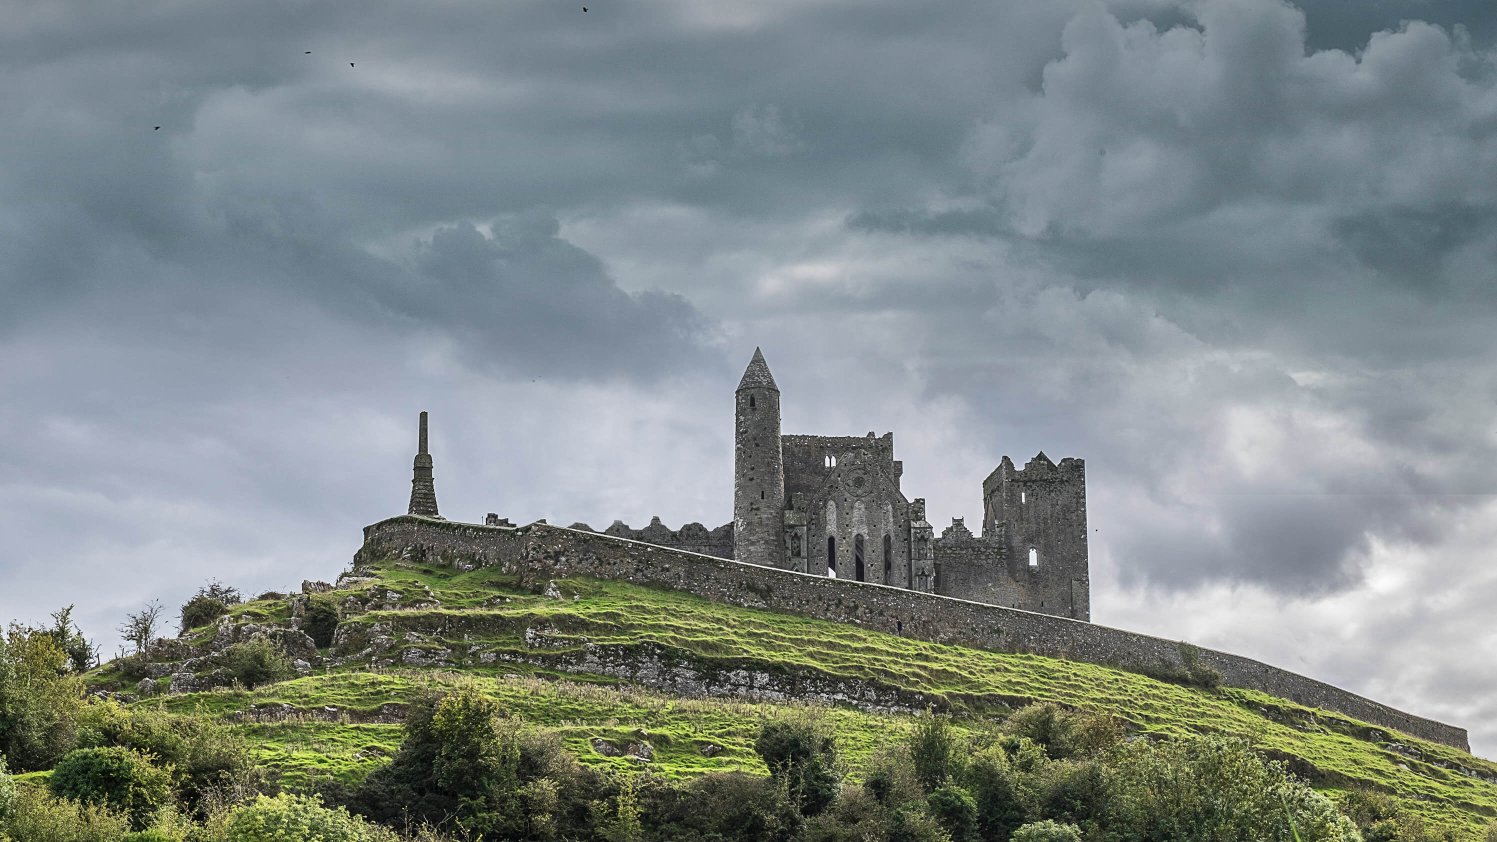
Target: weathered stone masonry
[{"x": 540, "y": 552}]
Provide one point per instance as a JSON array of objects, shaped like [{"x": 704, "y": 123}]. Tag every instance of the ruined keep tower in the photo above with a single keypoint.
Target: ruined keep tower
[
  {"x": 1040, "y": 513},
  {"x": 423, "y": 489},
  {"x": 758, "y": 469}
]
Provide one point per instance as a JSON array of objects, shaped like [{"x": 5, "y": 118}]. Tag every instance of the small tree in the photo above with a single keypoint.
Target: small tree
[
  {"x": 141, "y": 626},
  {"x": 933, "y": 750},
  {"x": 40, "y": 699},
  {"x": 81, "y": 654},
  {"x": 208, "y": 604},
  {"x": 219, "y": 592}
]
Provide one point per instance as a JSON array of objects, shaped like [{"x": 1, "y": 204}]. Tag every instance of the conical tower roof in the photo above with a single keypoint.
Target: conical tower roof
[{"x": 757, "y": 375}]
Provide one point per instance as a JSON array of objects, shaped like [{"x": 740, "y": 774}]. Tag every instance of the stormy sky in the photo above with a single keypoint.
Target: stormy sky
[{"x": 1237, "y": 254}]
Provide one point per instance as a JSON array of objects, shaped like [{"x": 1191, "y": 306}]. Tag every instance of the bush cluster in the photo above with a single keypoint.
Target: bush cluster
[{"x": 255, "y": 662}]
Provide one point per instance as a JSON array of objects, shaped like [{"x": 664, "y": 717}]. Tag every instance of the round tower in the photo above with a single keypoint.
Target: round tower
[{"x": 758, "y": 469}]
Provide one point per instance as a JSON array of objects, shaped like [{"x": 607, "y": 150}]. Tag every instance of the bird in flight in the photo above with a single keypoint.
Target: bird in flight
[
  {"x": 584, "y": 8},
  {"x": 157, "y": 129},
  {"x": 307, "y": 53}
]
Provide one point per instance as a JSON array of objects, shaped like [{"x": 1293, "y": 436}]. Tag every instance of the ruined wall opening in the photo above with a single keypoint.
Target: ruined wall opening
[
  {"x": 751, "y": 401},
  {"x": 831, "y": 556},
  {"x": 1034, "y": 559},
  {"x": 857, "y": 558}
]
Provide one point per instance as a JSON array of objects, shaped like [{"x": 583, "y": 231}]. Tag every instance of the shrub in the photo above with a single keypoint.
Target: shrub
[
  {"x": 7, "y": 792},
  {"x": 802, "y": 754},
  {"x": 1213, "y": 788},
  {"x": 855, "y": 817},
  {"x": 1199, "y": 674},
  {"x": 739, "y": 807},
  {"x": 1064, "y": 733},
  {"x": 955, "y": 810},
  {"x": 255, "y": 662},
  {"x": 934, "y": 750},
  {"x": 297, "y": 818},
  {"x": 200, "y": 611},
  {"x": 891, "y": 779},
  {"x": 990, "y": 779},
  {"x": 39, "y": 816},
  {"x": 1046, "y": 831},
  {"x": 118, "y": 778},
  {"x": 458, "y": 764},
  {"x": 206, "y": 756},
  {"x": 910, "y": 824}
]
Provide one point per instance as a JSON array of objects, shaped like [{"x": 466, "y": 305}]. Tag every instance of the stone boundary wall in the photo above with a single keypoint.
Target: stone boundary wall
[{"x": 540, "y": 552}]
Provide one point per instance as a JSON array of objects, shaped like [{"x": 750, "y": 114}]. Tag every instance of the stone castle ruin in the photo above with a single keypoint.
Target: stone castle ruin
[
  {"x": 822, "y": 529},
  {"x": 832, "y": 506}
]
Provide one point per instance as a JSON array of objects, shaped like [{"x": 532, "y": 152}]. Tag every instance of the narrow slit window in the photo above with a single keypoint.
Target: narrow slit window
[
  {"x": 1034, "y": 558},
  {"x": 831, "y": 556},
  {"x": 1023, "y": 498}
]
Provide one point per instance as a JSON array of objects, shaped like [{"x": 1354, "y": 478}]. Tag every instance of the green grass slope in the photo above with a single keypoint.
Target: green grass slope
[{"x": 547, "y": 658}]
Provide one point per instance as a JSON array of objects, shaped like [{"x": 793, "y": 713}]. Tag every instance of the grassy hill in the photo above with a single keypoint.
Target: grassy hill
[{"x": 573, "y": 659}]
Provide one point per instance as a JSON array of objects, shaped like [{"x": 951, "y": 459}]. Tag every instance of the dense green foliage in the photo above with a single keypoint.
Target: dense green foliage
[
  {"x": 200, "y": 611},
  {"x": 1047, "y": 831},
  {"x": 466, "y": 766},
  {"x": 295, "y": 818},
  {"x": 208, "y": 604},
  {"x": 256, "y": 662},
  {"x": 210, "y": 762},
  {"x": 41, "y": 817},
  {"x": 121, "y": 779},
  {"x": 39, "y": 699},
  {"x": 7, "y": 791},
  {"x": 71, "y": 641},
  {"x": 802, "y": 758}
]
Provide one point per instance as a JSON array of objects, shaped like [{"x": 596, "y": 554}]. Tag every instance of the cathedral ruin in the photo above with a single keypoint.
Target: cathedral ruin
[{"x": 832, "y": 506}]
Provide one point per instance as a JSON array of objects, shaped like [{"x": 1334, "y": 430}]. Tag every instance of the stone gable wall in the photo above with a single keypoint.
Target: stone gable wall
[{"x": 540, "y": 552}]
